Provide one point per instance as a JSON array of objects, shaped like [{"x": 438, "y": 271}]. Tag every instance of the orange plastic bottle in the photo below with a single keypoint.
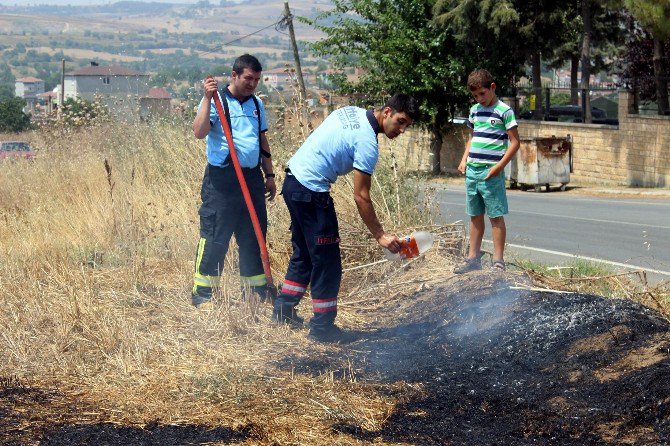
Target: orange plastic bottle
[{"x": 412, "y": 246}]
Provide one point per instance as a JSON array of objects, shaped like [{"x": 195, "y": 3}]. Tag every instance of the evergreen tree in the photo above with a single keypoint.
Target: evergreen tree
[
  {"x": 400, "y": 48},
  {"x": 525, "y": 31}
]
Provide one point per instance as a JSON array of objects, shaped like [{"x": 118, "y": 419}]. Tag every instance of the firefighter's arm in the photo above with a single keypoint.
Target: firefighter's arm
[
  {"x": 362, "y": 183},
  {"x": 201, "y": 124},
  {"x": 266, "y": 164}
]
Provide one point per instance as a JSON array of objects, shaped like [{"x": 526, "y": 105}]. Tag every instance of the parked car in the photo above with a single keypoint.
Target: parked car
[
  {"x": 15, "y": 149},
  {"x": 572, "y": 113}
]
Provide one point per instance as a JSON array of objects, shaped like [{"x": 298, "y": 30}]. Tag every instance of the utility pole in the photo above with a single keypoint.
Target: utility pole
[
  {"x": 61, "y": 93},
  {"x": 301, "y": 83}
]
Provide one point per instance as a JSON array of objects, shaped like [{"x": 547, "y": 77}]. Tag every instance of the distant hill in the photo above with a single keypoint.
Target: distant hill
[
  {"x": 231, "y": 16},
  {"x": 23, "y": 3},
  {"x": 103, "y": 3},
  {"x": 176, "y": 42},
  {"x": 72, "y": 7}
]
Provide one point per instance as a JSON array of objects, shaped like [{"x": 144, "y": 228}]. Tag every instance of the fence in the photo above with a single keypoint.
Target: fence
[{"x": 559, "y": 102}]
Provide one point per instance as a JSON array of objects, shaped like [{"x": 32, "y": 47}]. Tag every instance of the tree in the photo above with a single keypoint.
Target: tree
[
  {"x": 525, "y": 30},
  {"x": 653, "y": 16},
  {"x": 607, "y": 36},
  {"x": 6, "y": 92},
  {"x": 636, "y": 67},
  {"x": 586, "y": 59},
  {"x": 569, "y": 52},
  {"x": 401, "y": 49},
  {"x": 12, "y": 118}
]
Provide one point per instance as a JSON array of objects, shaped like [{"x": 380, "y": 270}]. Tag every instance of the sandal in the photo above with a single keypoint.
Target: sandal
[
  {"x": 498, "y": 265},
  {"x": 468, "y": 265}
]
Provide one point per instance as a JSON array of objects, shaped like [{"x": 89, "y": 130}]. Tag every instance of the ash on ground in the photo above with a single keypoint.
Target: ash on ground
[{"x": 506, "y": 366}]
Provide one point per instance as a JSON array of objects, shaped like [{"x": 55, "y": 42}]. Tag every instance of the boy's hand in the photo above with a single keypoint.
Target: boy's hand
[
  {"x": 461, "y": 167},
  {"x": 493, "y": 171}
]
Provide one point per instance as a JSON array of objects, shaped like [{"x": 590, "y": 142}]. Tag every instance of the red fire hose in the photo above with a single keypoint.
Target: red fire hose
[{"x": 245, "y": 192}]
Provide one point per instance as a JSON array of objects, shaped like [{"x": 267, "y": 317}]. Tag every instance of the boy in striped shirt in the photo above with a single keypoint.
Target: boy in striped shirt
[{"x": 493, "y": 141}]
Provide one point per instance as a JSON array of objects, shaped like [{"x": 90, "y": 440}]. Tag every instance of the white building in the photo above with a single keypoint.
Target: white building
[
  {"x": 278, "y": 78},
  {"x": 27, "y": 88},
  {"x": 119, "y": 88}
]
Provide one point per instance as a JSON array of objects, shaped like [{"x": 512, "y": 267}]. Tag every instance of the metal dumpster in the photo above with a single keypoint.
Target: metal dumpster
[{"x": 541, "y": 162}]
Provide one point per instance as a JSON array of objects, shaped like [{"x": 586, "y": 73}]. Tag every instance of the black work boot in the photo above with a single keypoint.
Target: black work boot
[
  {"x": 266, "y": 293},
  {"x": 331, "y": 334},
  {"x": 201, "y": 295},
  {"x": 284, "y": 314}
]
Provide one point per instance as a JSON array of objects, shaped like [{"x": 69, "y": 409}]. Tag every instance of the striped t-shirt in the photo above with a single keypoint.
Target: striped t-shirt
[{"x": 489, "y": 138}]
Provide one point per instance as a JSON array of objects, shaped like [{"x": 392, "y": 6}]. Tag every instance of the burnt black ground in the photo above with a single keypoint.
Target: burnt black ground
[{"x": 506, "y": 367}]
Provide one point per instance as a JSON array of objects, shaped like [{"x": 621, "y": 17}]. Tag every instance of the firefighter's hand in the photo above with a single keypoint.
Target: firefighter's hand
[
  {"x": 270, "y": 189},
  {"x": 211, "y": 86},
  {"x": 390, "y": 242}
]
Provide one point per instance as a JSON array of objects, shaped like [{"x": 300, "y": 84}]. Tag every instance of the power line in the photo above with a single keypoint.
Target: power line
[{"x": 276, "y": 24}]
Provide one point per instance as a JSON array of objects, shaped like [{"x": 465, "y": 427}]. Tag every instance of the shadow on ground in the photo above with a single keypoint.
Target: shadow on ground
[
  {"x": 111, "y": 434},
  {"x": 30, "y": 415}
]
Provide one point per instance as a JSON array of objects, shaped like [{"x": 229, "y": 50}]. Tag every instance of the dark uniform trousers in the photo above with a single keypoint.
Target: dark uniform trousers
[
  {"x": 316, "y": 257},
  {"x": 222, "y": 214}
]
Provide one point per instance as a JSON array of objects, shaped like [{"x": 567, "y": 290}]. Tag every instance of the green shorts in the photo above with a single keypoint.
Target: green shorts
[{"x": 487, "y": 196}]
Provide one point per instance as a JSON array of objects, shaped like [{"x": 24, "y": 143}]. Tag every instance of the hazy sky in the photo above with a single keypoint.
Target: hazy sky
[{"x": 91, "y": 2}]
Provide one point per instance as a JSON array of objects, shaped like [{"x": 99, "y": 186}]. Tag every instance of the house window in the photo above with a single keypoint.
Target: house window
[{"x": 105, "y": 80}]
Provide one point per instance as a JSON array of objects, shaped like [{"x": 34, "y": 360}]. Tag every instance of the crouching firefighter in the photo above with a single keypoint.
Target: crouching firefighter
[
  {"x": 223, "y": 211},
  {"x": 345, "y": 141}
]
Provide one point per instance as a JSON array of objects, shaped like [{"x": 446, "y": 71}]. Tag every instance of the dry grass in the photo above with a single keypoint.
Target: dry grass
[
  {"x": 589, "y": 278},
  {"x": 98, "y": 237}
]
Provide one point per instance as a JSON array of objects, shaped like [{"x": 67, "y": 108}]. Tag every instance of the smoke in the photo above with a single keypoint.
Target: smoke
[{"x": 450, "y": 325}]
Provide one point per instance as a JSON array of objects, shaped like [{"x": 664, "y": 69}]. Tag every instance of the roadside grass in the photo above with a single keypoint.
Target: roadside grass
[
  {"x": 596, "y": 278},
  {"x": 576, "y": 268}
]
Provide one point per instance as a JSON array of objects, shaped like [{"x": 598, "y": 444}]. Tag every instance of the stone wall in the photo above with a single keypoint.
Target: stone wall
[{"x": 636, "y": 153}]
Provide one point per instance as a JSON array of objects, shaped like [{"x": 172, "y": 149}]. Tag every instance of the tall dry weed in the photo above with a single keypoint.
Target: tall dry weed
[{"x": 97, "y": 239}]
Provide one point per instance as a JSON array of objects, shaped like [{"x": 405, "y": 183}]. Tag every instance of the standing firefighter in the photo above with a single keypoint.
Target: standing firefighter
[
  {"x": 223, "y": 211},
  {"x": 345, "y": 141}
]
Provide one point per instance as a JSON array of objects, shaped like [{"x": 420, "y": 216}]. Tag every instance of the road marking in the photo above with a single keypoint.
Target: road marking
[
  {"x": 590, "y": 259},
  {"x": 596, "y": 220},
  {"x": 534, "y": 196}
]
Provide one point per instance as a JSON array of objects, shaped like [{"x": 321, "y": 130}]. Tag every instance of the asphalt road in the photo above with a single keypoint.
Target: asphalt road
[{"x": 558, "y": 227}]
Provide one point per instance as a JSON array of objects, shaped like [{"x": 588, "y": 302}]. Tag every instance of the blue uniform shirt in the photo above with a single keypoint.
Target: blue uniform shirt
[
  {"x": 244, "y": 123},
  {"x": 345, "y": 140}
]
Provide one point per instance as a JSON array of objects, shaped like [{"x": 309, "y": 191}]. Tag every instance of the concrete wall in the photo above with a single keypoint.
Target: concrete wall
[
  {"x": 120, "y": 94},
  {"x": 636, "y": 153},
  {"x": 28, "y": 89},
  {"x": 87, "y": 87}
]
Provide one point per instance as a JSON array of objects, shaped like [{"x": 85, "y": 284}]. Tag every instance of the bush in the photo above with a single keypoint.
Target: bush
[
  {"x": 12, "y": 118},
  {"x": 83, "y": 113}
]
